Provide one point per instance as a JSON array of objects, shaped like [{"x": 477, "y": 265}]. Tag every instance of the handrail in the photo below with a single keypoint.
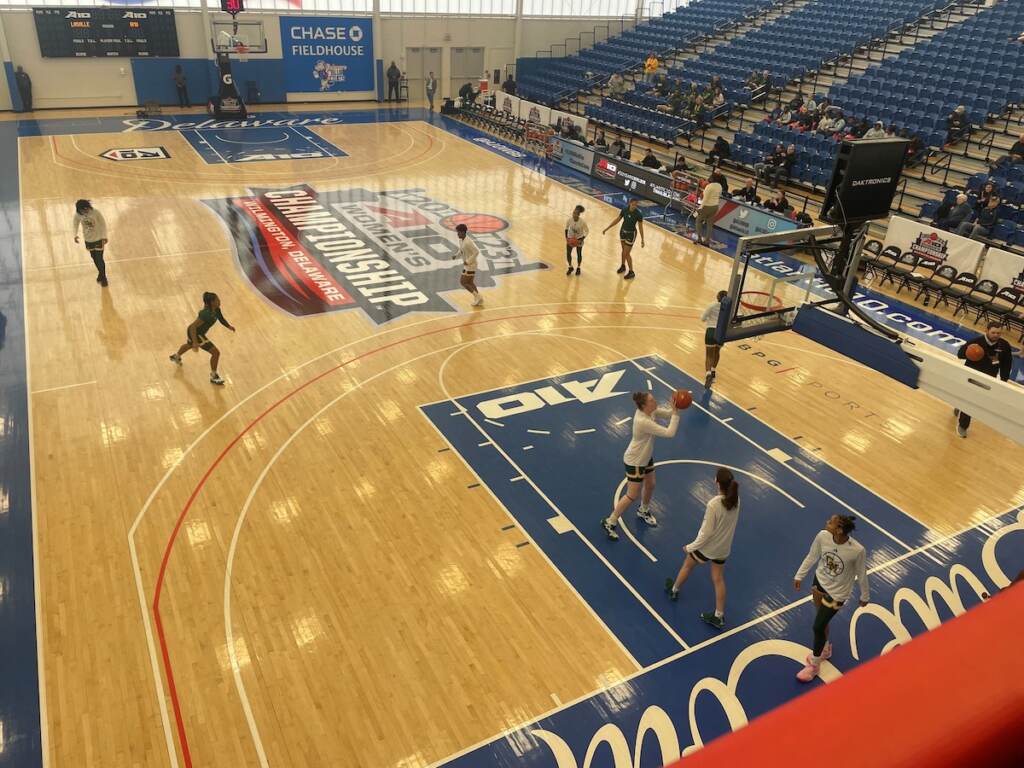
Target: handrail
[
  {"x": 902, "y": 189},
  {"x": 942, "y": 164},
  {"x": 987, "y": 142}
]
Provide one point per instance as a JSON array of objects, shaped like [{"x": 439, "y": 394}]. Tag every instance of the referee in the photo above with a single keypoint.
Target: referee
[{"x": 998, "y": 359}]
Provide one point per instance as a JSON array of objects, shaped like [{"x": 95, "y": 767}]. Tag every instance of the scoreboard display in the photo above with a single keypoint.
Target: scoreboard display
[{"x": 82, "y": 32}]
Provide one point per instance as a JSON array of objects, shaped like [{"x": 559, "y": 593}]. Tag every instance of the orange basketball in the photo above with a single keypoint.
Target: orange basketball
[
  {"x": 974, "y": 352},
  {"x": 682, "y": 398},
  {"x": 573, "y": 242}
]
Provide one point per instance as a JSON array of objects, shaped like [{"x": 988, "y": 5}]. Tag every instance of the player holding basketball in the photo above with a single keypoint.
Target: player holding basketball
[
  {"x": 632, "y": 222},
  {"x": 712, "y": 350},
  {"x": 639, "y": 459},
  {"x": 996, "y": 358},
  {"x": 196, "y": 333},
  {"x": 841, "y": 561},
  {"x": 713, "y": 544},
  {"x": 576, "y": 230},
  {"x": 94, "y": 229},
  {"x": 469, "y": 253}
]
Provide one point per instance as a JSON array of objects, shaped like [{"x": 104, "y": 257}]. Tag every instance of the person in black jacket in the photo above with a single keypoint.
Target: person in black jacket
[
  {"x": 951, "y": 215},
  {"x": 394, "y": 76},
  {"x": 749, "y": 193},
  {"x": 998, "y": 359},
  {"x": 721, "y": 151},
  {"x": 982, "y": 226},
  {"x": 718, "y": 177},
  {"x": 957, "y": 125},
  {"x": 1014, "y": 157},
  {"x": 24, "y": 83}
]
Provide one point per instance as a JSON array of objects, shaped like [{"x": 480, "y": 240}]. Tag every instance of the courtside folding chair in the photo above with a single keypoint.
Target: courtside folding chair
[
  {"x": 933, "y": 286},
  {"x": 979, "y": 298},
  {"x": 956, "y": 291}
]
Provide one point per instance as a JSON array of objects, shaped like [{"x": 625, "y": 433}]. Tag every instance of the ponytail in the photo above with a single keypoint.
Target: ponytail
[
  {"x": 729, "y": 487},
  {"x": 208, "y": 298}
]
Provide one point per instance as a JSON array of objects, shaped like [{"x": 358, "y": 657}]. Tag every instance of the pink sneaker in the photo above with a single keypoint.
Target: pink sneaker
[{"x": 808, "y": 673}]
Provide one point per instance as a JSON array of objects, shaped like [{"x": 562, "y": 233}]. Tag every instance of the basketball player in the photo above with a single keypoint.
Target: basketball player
[
  {"x": 94, "y": 229},
  {"x": 468, "y": 252},
  {"x": 196, "y": 333},
  {"x": 639, "y": 459},
  {"x": 632, "y": 222},
  {"x": 841, "y": 560},
  {"x": 575, "y": 230},
  {"x": 998, "y": 359},
  {"x": 712, "y": 350},
  {"x": 713, "y": 543}
]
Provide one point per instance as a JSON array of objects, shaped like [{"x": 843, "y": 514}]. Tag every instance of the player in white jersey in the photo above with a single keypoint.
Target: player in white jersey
[
  {"x": 712, "y": 350},
  {"x": 469, "y": 253},
  {"x": 713, "y": 544},
  {"x": 94, "y": 230},
  {"x": 841, "y": 561},
  {"x": 575, "y": 230},
  {"x": 639, "y": 459}
]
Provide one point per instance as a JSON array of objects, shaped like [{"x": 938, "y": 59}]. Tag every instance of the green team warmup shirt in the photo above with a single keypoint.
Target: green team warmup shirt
[
  {"x": 629, "y": 221},
  {"x": 207, "y": 318}
]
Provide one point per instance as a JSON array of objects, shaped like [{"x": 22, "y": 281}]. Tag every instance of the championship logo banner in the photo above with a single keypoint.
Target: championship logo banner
[{"x": 387, "y": 253}]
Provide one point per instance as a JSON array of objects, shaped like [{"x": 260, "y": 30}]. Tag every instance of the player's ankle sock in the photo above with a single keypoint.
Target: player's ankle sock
[
  {"x": 720, "y": 614},
  {"x": 643, "y": 509}
]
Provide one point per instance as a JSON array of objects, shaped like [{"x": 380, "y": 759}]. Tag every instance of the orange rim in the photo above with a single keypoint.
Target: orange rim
[{"x": 760, "y": 307}]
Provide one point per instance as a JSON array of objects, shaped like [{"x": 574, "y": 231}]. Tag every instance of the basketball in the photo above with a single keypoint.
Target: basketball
[
  {"x": 682, "y": 398},
  {"x": 573, "y": 242},
  {"x": 974, "y": 352}
]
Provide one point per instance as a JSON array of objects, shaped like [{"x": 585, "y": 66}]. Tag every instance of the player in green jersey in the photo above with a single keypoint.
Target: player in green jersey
[
  {"x": 196, "y": 333},
  {"x": 632, "y": 222}
]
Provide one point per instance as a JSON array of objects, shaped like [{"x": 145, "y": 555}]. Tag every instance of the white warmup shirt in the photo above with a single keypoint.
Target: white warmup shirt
[
  {"x": 714, "y": 539},
  {"x": 710, "y": 315},
  {"x": 838, "y": 566},
  {"x": 712, "y": 195},
  {"x": 577, "y": 229},
  {"x": 645, "y": 429},
  {"x": 468, "y": 252},
  {"x": 93, "y": 225}
]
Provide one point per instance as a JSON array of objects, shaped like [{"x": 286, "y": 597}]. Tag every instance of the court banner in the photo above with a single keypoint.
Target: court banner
[
  {"x": 636, "y": 179},
  {"x": 507, "y": 103},
  {"x": 327, "y": 54},
  {"x": 572, "y": 154},
  {"x": 561, "y": 119},
  {"x": 934, "y": 245},
  {"x": 741, "y": 219},
  {"x": 1006, "y": 268}
]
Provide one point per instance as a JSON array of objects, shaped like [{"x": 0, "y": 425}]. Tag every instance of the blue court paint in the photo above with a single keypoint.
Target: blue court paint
[
  {"x": 19, "y": 689},
  {"x": 750, "y": 668},
  {"x": 259, "y": 144}
]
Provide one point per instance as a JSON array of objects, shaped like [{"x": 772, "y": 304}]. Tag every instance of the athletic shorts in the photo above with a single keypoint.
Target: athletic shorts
[
  {"x": 204, "y": 343},
  {"x": 95, "y": 245},
  {"x": 636, "y": 474},
  {"x": 826, "y": 598},
  {"x": 627, "y": 237},
  {"x": 700, "y": 557},
  {"x": 709, "y": 337}
]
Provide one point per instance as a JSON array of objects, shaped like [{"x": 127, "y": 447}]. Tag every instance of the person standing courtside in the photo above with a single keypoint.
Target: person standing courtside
[
  {"x": 394, "y": 76},
  {"x": 24, "y": 83},
  {"x": 181, "y": 85},
  {"x": 708, "y": 210},
  {"x": 998, "y": 359},
  {"x": 94, "y": 230},
  {"x": 431, "y": 86},
  {"x": 576, "y": 230},
  {"x": 469, "y": 253}
]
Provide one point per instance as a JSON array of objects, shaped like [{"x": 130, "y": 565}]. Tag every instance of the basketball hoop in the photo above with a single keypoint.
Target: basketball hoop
[{"x": 760, "y": 301}]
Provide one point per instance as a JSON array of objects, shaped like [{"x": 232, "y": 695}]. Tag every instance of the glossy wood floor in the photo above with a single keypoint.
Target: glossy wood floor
[{"x": 379, "y": 615}]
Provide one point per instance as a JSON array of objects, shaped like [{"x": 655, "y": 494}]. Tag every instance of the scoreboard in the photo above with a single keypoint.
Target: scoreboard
[{"x": 68, "y": 32}]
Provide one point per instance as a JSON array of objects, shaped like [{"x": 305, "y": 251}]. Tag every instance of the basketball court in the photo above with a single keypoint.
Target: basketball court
[{"x": 379, "y": 543}]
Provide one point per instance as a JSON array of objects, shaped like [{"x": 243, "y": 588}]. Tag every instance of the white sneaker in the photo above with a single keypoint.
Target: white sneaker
[
  {"x": 961, "y": 431},
  {"x": 609, "y": 529},
  {"x": 216, "y": 379},
  {"x": 647, "y": 517},
  {"x": 176, "y": 358},
  {"x": 478, "y": 300}
]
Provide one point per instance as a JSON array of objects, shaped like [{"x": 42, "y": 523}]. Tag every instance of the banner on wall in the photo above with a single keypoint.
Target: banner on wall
[
  {"x": 1005, "y": 268},
  {"x": 933, "y": 244},
  {"x": 327, "y": 54},
  {"x": 572, "y": 155},
  {"x": 559, "y": 119},
  {"x": 504, "y": 102}
]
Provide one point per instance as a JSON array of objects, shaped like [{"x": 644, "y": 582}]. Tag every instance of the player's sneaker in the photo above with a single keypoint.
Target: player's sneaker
[
  {"x": 609, "y": 529},
  {"x": 103, "y": 282},
  {"x": 961, "y": 431},
  {"x": 672, "y": 593},
  {"x": 709, "y": 380},
  {"x": 647, "y": 517},
  {"x": 577, "y": 271},
  {"x": 808, "y": 673},
  {"x": 175, "y": 358},
  {"x": 216, "y": 379},
  {"x": 620, "y": 270},
  {"x": 568, "y": 271},
  {"x": 711, "y": 618},
  {"x": 629, "y": 275},
  {"x": 478, "y": 301}
]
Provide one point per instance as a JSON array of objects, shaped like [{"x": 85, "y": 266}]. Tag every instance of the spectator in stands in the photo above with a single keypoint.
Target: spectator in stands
[
  {"x": 771, "y": 160},
  {"x": 619, "y": 148},
  {"x": 877, "y": 131},
  {"x": 804, "y": 120},
  {"x": 680, "y": 165},
  {"x": 601, "y": 142},
  {"x": 781, "y": 165},
  {"x": 778, "y": 202},
  {"x": 811, "y": 104},
  {"x": 676, "y": 104},
  {"x": 650, "y": 67},
  {"x": 509, "y": 86},
  {"x": 698, "y": 110},
  {"x": 394, "y": 76},
  {"x": 823, "y": 107},
  {"x": 719, "y": 98},
  {"x": 987, "y": 218},
  {"x": 957, "y": 125},
  {"x": 857, "y": 128},
  {"x": 988, "y": 191},
  {"x": 719, "y": 178},
  {"x": 721, "y": 151},
  {"x": 832, "y": 123},
  {"x": 796, "y": 102},
  {"x": 754, "y": 81},
  {"x": 650, "y": 161},
  {"x": 749, "y": 193},
  {"x": 950, "y": 216},
  {"x": 785, "y": 116},
  {"x": 915, "y": 149},
  {"x": 1015, "y": 156},
  {"x": 662, "y": 87},
  {"x": 616, "y": 85}
]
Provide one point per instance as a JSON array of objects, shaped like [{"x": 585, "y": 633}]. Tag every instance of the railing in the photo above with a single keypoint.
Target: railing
[
  {"x": 986, "y": 142},
  {"x": 943, "y": 161},
  {"x": 902, "y": 189}
]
